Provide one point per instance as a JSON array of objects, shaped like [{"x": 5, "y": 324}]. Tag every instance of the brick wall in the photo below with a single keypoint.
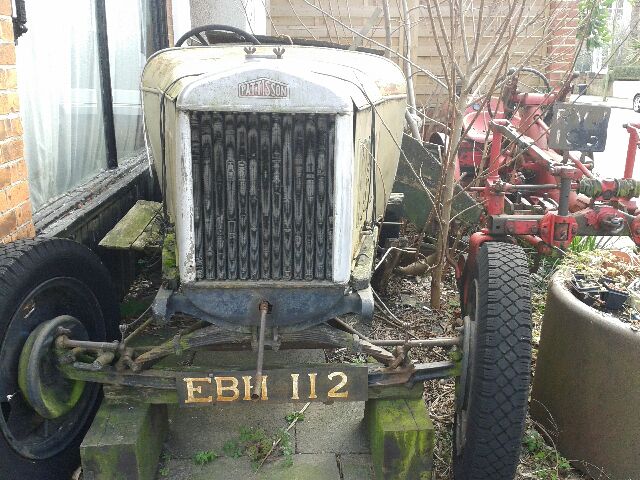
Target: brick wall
[
  {"x": 15, "y": 207},
  {"x": 561, "y": 48}
]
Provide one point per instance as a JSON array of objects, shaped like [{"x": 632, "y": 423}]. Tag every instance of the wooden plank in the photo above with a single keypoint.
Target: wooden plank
[
  {"x": 124, "y": 442},
  {"x": 135, "y": 224}
]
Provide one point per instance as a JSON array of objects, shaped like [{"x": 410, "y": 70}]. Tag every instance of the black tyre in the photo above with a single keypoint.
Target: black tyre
[
  {"x": 40, "y": 280},
  {"x": 492, "y": 392},
  {"x": 636, "y": 102}
]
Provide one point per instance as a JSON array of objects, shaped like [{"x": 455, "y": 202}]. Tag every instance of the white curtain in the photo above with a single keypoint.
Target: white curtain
[
  {"x": 128, "y": 33},
  {"x": 59, "y": 87}
]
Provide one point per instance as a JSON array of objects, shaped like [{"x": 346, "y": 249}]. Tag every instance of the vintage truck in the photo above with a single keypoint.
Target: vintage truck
[{"x": 276, "y": 160}]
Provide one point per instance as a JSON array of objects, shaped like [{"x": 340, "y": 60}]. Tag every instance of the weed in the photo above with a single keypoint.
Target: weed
[
  {"x": 164, "y": 471},
  {"x": 255, "y": 444},
  {"x": 549, "y": 464},
  {"x": 286, "y": 447},
  {"x": 583, "y": 244},
  {"x": 204, "y": 457},
  {"x": 232, "y": 448},
  {"x": 297, "y": 416}
]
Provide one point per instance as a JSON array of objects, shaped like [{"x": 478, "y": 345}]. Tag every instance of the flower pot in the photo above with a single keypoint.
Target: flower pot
[{"x": 587, "y": 384}]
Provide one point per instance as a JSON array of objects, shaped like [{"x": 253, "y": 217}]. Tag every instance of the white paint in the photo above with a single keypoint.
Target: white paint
[
  {"x": 343, "y": 196},
  {"x": 307, "y": 91},
  {"x": 185, "y": 233},
  {"x": 363, "y": 77},
  {"x": 181, "y": 12},
  {"x": 319, "y": 80}
]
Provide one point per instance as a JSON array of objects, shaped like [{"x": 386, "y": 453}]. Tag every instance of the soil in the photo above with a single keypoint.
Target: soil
[{"x": 620, "y": 269}]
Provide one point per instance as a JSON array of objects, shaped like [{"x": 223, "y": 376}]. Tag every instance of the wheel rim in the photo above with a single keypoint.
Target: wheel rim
[
  {"x": 465, "y": 383},
  {"x": 27, "y": 432},
  {"x": 41, "y": 382}
]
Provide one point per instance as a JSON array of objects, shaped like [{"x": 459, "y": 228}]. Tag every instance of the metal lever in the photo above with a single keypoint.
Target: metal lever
[{"x": 257, "y": 387}]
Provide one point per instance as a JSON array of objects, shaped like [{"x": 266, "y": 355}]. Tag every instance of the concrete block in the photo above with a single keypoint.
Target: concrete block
[
  {"x": 124, "y": 442},
  {"x": 401, "y": 437},
  {"x": 336, "y": 428},
  {"x": 586, "y": 386},
  {"x": 304, "y": 467}
]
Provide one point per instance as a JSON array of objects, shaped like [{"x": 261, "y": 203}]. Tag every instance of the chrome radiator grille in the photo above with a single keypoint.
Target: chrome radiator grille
[{"x": 263, "y": 195}]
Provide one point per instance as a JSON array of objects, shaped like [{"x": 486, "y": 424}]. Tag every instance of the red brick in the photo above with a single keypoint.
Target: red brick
[
  {"x": 7, "y": 54},
  {"x": 4, "y": 201},
  {"x": 16, "y": 126},
  {"x": 24, "y": 231},
  {"x": 7, "y": 223},
  {"x": 18, "y": 193},
  {"x": 11, "y": 150},
  {"x": 19, "y": 171},
  {"x": 8, "y": 79},
  {"x": 5, "y": 176},
  {"x": 6, "y": 30},
  {"x": 10, "y": 127},
  {"x": 23, "y": 214},
  {"x": 6, "y": 7},
  {"x": 9, "y": 103}
]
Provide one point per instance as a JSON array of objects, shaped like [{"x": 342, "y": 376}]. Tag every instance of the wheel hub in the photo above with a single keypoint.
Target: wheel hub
[{"x": 48, "y": 392}]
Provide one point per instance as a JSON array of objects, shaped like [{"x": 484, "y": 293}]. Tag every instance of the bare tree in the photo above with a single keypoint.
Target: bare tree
[{"x": 475, "y": 42}]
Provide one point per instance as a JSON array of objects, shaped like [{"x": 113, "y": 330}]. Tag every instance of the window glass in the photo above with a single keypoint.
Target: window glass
[
  {"x": 59, "y": 86},
  {"x": 129, "y": 40}
]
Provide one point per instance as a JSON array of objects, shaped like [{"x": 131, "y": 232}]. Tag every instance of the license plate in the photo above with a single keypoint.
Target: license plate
[{"x": 331, "y": 383}]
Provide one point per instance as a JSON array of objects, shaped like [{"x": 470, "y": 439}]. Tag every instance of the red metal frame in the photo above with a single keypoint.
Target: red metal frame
[{"x": 561, "y": 194}]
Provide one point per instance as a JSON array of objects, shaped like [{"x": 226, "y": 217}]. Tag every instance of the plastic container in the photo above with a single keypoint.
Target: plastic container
[
  {"x": 612, "y": 297},
  {"x": 586, "y": 290}
]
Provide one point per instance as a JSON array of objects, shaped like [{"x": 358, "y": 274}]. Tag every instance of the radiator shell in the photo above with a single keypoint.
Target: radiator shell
[{"x": 359, "y": 90}]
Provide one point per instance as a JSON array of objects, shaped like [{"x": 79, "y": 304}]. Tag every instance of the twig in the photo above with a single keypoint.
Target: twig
[{"x": 277, "y": 441}]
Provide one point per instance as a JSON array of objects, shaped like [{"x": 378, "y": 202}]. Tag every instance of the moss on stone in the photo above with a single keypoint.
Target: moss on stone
[
  {"x": 401, "y": 437},
  {"x": 169, "y": 255}
]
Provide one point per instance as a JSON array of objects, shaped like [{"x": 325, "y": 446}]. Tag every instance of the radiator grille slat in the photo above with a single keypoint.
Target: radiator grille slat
[{"x": 263, "y": 193}]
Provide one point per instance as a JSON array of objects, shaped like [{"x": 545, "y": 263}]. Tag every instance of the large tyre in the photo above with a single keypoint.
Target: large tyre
[
  {"x": 493, "y": 389},
  {"x": 39, "y": 280}
]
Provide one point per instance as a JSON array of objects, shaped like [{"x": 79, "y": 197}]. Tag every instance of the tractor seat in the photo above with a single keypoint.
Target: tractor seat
[{"x": 479, "y": 123}]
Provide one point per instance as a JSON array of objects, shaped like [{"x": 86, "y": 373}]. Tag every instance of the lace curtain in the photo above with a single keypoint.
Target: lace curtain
[{"x": 59, "y": 86}]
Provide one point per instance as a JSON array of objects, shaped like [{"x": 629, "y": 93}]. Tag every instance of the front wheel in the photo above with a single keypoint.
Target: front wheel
[
  {"x": 492, "y": 391},
  {"x": 44, "y": 284},
  {"x": 636, "y": 103}
]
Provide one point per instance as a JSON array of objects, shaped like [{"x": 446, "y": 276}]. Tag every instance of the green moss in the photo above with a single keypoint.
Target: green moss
[
  {"x": 401, "y": 437},
  {"x": 169, "y": 262}
]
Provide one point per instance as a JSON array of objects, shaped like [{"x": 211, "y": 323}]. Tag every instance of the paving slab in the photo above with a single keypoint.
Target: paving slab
[
  {"x": 336, "y": 428},
  {"x": 356, "y": 466},
  {"x": 304, "y": 467},
  {"x": 327, "y": 430}
]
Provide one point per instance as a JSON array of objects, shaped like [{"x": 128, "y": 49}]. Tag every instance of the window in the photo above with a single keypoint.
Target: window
[{"x": 81, "y": 108}]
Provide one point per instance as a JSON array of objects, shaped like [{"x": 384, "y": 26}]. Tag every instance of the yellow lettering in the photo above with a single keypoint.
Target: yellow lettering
[
  {"x": 233, "y": 388},
  {"x": 294, "y": 386},
  {"x": 192, "y": 390},
  {"x": 247, "y": 387},
  {"x": 312, "y": 385},
  {"x": 333, "y": 393}
]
